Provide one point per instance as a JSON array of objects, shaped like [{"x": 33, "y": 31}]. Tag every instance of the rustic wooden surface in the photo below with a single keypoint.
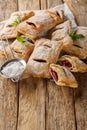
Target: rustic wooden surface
[{"x": 37, "y": 104}]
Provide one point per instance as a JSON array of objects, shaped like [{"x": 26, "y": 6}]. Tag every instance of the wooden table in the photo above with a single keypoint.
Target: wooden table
[{"x": 38, "y": 104}]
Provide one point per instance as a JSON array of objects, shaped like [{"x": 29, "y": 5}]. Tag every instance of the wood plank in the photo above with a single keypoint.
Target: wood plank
[
  {"x": 28, "y": 4},
  {"x": 59, "y": 108},
  {"x": 31, "y": 92},
  {"x": 53, "y": 3},
  {"x": 59, "y": 102},
  {"x": 6, "y": 8},
  {"x": 81, "y": 102},
  {"x": 10, "y": 105},
  {"x": 1, "y": 104},
  {"x": 29, "y": 99},
  {"x": 79, "y": 9},
  {"x": 32, "y": 105},
  {"x": 8, "y": 90},
  {"x": 43, "y": 4}
]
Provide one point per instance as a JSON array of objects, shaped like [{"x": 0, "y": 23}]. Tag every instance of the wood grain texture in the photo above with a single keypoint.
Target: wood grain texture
[
  {"x": 1, "y": 104},
  {"x": 59, "y": 108},
  {"x": 79, "y": 9},
  {"x": 32, "y": 105},
  {"x": 53, "y": 3},
  {"x": 6, "y": 8},
  {"x": 28, "y": 4},
  {"x": 8, "y": 105},
  {"x": 59, "y": 102},
  {"x": 8, "y": 90},
  {"x": 31, "y": 92},
  {"x": 43, "y": 4},
  {"x": 42, "y": 104},
  {"x": 81, "y": 102}
]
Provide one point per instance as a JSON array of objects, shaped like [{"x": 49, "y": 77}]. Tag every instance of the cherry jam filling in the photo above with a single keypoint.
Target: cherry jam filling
[
  {"x": 67, "y": 64},
  {"x": 54, "y": 74}
]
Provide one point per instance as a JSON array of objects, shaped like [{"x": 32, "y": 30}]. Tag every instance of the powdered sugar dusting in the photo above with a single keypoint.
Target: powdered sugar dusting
[{"x": 13, "y": 69}]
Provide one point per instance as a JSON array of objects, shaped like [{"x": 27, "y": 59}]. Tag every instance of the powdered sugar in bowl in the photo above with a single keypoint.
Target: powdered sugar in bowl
[{"x": 13, "y": 68}]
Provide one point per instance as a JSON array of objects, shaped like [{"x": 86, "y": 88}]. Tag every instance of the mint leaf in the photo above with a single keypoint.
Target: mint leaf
[
  {"x": 17, "y": 21},
  {"x": 22, "y": 40},
  {"x": 76, "y": 36}
]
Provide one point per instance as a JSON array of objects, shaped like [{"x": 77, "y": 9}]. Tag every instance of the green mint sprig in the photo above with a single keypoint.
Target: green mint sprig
[
  {"x": 22, "y": 40},
  {"x": 17, "y": 21},
  {"x": 76, "y": 36}
]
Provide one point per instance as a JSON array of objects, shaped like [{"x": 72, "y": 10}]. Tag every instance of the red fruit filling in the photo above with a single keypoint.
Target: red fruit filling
[
  {"x": 67, "y": 64},
  {"x": 54, "y": 74}
]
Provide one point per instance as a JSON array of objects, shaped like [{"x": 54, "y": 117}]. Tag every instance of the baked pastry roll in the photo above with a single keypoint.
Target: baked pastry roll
[
  {"x": 40, "y": 23},
  {"x": 79, "y": 47},
  {"x": 20, "y": 49},
  {"x": 73, "y": 63},
  {"x": 10, "y": 28},
  {"x": 45, "y": 53},
  {"x": 62, "y": 76},
  {"x": 24, "y": 14},
  {"x": 61, "y": 32}
]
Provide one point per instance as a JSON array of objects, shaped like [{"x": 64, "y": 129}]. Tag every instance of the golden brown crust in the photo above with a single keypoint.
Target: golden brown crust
[
  {"x": 10, "y": 30},
  {"x": 19, "y": 50},
  {"x": 45, "y": 53},
  {"x": 60, "y": 15},
  {"x": 73, "y": 63},
  {"x": 24, "y": 14},
  {"x": 40, "y": 23},
  {"x": 61, "y": 32},
  {"x": 64, "y": 76},
  {"x": 79, "y": 47}
]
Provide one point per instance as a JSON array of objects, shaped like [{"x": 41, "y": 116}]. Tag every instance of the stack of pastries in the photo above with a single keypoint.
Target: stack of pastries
[{"x": 42, "y": 39}]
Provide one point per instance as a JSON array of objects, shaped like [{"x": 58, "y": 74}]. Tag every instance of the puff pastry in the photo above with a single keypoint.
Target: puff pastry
[
  {"x": 45, "y": 53},
  {"x": 79, "y": 47},
  {"x": 73, "y": 63},
  {"x": 19, "y": 49},
  {"x": 10, "y": 30},
  {"x": 61, "y": 32},
  {"x": 40, "y": 23},
  {"x": 62, "y": 76}
]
